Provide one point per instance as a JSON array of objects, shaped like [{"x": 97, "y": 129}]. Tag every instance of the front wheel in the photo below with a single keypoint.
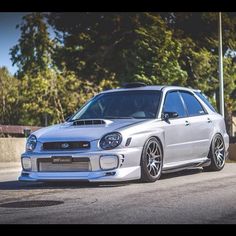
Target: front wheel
[
  {"x": 217, "y": 154},
  {"x": 151, "y": 160}
]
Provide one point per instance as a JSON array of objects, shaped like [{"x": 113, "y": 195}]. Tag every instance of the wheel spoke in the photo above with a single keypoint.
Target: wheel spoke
[
  {"x": 156, "y": 162},
  {"x": 219, "y": 158},
  {"x": 221, "y": 149},
  {"x": 221, "y": 145},
  {"x": 155, "y": 171},
  {"x": 156, "y": 156},
  {"x": 154, "y": 148}
]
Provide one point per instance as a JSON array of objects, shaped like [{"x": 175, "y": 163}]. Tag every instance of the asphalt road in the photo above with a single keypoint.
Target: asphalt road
[{"x": 191, "y": 196}]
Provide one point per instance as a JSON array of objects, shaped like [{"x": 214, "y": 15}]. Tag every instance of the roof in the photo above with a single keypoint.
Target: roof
[{"x": 149, "y": 87}]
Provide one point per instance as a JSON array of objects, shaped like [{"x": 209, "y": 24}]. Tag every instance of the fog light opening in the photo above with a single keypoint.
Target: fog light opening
[
  {"x": 26, "y": 163},
  {"x": 108, "y": 162}
]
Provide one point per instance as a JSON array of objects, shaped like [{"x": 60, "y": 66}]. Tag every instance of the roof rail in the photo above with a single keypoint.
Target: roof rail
[{"x": 134, "y": 85}]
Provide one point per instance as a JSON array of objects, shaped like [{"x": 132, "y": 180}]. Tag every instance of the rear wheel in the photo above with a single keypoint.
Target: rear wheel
[
  {"x": 151, "y": 160},
  {"x": 217, "y": 154}
]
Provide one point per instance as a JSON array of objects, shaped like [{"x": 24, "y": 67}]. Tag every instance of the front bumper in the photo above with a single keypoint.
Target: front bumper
[{"x": 128, "y": 167}]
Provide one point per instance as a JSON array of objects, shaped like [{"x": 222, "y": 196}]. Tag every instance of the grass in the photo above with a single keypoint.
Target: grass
[{"x": 230, "y": 161}]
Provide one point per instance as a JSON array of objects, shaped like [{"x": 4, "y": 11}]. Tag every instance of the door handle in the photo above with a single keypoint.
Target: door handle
[
  {"x": 187, "y": 123},
  {"x": 209, "y": 120}
]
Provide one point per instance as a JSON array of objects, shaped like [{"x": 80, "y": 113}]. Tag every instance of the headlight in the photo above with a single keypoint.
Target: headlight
[
  {"x": 31, "y": 143},
  {"x": 110, "y": 141}
]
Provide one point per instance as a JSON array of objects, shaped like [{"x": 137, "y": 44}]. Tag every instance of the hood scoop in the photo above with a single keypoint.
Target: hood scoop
[{"x": 89, "y": 122}]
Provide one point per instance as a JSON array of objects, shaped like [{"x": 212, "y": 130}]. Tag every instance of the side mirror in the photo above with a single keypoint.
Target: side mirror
[{"x": 169, "y": 114}]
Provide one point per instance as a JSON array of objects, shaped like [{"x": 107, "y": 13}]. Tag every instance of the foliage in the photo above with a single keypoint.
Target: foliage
[
  {"x": 95, "y": 51},
  {"x": 117, "y": 47},
  {"x": 9, "y": 97},
  {"x": 48, "y": 94},
  {"x": 198, "y": 33},
  {"x": 32, "y": 54}
]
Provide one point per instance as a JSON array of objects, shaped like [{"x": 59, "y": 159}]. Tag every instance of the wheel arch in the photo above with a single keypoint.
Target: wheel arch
[{"x": 160, "y": 141}]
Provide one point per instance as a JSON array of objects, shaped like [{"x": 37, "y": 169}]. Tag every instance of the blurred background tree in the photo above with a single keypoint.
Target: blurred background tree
[
  {"x": 90, "y": 52},
  {"x": 9, "y": 97},
  {"x": 198, "y": 33}
]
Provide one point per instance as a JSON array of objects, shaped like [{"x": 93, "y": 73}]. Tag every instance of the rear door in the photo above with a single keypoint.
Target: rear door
[{"x": 200, "y": 126}]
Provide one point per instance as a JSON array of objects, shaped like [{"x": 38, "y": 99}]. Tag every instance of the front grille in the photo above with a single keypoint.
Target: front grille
[
  {"x": 76, "y": 165},
  {"x": 66, "y": 145}
]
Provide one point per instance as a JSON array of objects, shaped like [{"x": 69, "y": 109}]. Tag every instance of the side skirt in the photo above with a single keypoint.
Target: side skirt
[{"x": 185, "y": 165}]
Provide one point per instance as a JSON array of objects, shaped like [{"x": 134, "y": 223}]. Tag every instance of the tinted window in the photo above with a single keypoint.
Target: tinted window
[
  {"x": 192, "y": 104},
  {"x": 173, "y": 103},
  {"x": 121, "y": 105},
  {"x": 204, "y": 99}
]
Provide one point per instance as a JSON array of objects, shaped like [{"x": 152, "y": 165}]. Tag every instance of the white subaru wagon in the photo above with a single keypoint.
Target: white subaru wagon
[{"x": 134, "y": 132}]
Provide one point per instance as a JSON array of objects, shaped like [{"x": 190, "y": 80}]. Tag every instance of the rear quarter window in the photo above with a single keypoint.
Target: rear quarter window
[{"x": 205, "y": 100}]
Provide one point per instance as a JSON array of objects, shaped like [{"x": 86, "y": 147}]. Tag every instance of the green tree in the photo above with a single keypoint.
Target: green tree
[
  {"x": 202, "y": 28},
  {"x": 95, "y": 51},
  {"x": 9, "y": 98},
  {"x": 44, "y": 90},
  {"x": 32, "y": 54},
  {"x": 117, "y": 47},
  {"x": 48, "y": 94},
  {"x": 198, "y": 33}
]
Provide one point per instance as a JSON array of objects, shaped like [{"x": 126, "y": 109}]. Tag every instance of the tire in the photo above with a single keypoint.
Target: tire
[
  {"x": 151, "y": 160},
  {"x": 217, "y": 154}
]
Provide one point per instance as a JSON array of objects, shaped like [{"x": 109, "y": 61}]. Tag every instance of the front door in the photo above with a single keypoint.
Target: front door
[{"x": 177, "y": 130}]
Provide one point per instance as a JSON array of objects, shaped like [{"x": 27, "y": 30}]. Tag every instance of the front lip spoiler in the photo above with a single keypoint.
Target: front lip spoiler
[{"x": 116, "y": 175}]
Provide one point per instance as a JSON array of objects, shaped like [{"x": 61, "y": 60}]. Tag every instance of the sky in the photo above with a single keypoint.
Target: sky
[{"x": 9, "y": 36}]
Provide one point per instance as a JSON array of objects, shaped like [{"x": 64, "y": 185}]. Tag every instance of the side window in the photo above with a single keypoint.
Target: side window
[
  {"x": 192, "y": 104},
  {"x": 205, "y": 100},
  {"x": 173, "y": 103}
]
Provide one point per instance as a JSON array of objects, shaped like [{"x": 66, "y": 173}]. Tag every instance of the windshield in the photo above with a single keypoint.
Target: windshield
[{"x": 121, "y": 105}]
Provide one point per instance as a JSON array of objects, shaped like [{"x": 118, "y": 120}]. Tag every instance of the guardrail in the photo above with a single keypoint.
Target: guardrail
[{"x": 17, "y": 130}]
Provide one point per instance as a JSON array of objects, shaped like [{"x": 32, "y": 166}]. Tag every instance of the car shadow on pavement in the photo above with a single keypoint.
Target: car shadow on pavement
[
  {"x": 181, "y": 173},
  {"x": 17, "y": 185}
]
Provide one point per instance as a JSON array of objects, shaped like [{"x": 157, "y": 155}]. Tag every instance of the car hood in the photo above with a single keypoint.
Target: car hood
[{"x": 69, "y": 132}]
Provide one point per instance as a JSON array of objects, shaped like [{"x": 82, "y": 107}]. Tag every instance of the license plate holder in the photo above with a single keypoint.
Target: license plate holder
[{"x": 62, "y": 160}]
